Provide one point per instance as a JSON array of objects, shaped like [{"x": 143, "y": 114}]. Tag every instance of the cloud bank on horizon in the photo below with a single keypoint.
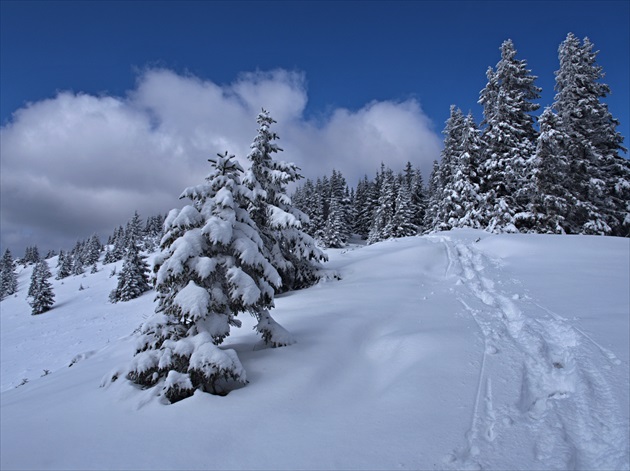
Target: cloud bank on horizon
[{"x": 77, "y": 164}]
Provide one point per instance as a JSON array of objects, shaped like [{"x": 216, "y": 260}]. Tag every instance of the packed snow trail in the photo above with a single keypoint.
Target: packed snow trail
[{"x": 558, "y": 409}]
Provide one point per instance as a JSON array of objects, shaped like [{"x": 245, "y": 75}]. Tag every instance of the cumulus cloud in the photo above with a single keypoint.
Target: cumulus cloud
[
  {"x": 357, "y": 142},
  {"x": 77, "y": 164}
]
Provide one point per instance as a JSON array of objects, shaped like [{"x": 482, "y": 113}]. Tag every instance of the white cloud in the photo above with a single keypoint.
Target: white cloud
[
  {"x": 357, "y": 142},
  {"x": 285, "y": 91},
  {"x": 77, "y": 164}
]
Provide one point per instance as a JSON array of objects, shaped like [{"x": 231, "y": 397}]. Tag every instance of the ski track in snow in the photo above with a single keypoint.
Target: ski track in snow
[{"x": 563, "y": 404}]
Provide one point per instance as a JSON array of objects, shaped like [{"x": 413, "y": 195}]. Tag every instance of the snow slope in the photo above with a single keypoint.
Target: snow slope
[{"x": 456, "y": 350}]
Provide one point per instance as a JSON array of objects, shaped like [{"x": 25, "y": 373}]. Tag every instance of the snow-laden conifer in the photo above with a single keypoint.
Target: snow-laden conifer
[
  {"x": 551, "y": 201},
  {"x": 303, "y": 200},
  {"x": 40, "y": 290},
  {"x": 92, "y": 250},
  {"x": 599, "y": 176},
  {"x": 31, "y": 255},
  {"x": 64, "y": 265},
  {"x": 509, "y": 138},
  {"x": 336, "y": 230},
  {"x": 321, "y": 208},
  {"x": 363, "y": 216},
  {"x": 8, "y": 276},
  {"x": 382, "y": 224},
  {"x": 434, "y": 193},
  {"x": 292, "y": 252},
  {"x": 212, "y": 267},
  {"x": 117, "y": 244},
  {"x": 372, "y": 199},
  {"x": 402, "y": 221},
  {"x": 153, "y": 232},
  {"x": 414, "y": 181},
  {"x": 109, "y": 256},
  {"x": 33, "y": 285},
  {"x": 464, "y": 189},
  {"x": 77, "y": 263},
  {"x": 133, "y": 279},
  {"x": 134, "y": 230},
  {"x": 446, "y": 201}
]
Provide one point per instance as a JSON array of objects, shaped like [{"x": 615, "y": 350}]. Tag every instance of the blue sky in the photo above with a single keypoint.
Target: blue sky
[
  {"x": 326, "y": 70},
  {"x": 351, "y": 52}
]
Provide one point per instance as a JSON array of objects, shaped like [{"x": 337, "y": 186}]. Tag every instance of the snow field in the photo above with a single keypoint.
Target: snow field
[{"x": 461, "y": 350}]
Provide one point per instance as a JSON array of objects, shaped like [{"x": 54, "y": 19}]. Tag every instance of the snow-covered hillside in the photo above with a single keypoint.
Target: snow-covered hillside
[{"x": 457, "y": 350}]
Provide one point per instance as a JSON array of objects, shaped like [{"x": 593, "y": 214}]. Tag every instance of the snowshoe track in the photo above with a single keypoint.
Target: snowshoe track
[{"x": 562, "y": 401}]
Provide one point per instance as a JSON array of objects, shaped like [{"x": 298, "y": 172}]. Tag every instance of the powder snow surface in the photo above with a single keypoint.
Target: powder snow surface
[{"x": 456, "y": 350}]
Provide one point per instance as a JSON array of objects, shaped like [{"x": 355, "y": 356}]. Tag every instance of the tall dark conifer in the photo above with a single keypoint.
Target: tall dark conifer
[
  {"x": 289, "y": 249},
  {"x": 446, "y": 202},
  {"x": 40, "y": 291},
  {"x": 133, "y": 278},
  {"x": 599, "y": 176},
  {"x": 465, "y": 192},
  {"x": 8, "y": 276},
  {"x": 551, "y": 203},
  {"x": 509, "y": 139}
]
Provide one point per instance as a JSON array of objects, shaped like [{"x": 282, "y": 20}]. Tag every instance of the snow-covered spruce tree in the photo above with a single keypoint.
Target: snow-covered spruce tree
[
  {"x": 320, "y": 210},
  {"x": 109, "y": 256},
  {"x": 310, "y": 200},
  {"x": 347, "y": 204},
  {"x": 509, "y": 140},
  {"x": 551, "y": 201},
  {"x": 303, "y": 198},
  {"x": 336, "y": 230},
  {"x": 373, "y": 194},
  {"x": 133, "y": 279},
  {"x": 8, "y": 276},
  {"x": 335, "y": 234},
  {"x": 211, "y": 268},
  {"x": 77, "y": 263},
  {"x": 465, "y": 190},
  {"x": 300, "y": 196},
  {"x": 133, "y": 230},
  {"x": 153, "y": 232},
  {"x": 60, "y": 257},
  {"x": 402, "y": 221},
  {"x": 92, "y": 250},
  {"x": 382, "y": 227},
  {"x": 363, "y": 217},
  {"x": 31, "y": 255},
  {"x": 40, "y": 291},
  {"x": 118, "y": 242},
  {"x": 434, "y": 193},
  {"x": 65, "y": 265},
  {"x": 446, "y": 202},
  {"x": 413, "y": 179},
  {"x": 599, "y": 176},
  {"x": 292, "y": 252},
  {"x": 32, "y": 287}
]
